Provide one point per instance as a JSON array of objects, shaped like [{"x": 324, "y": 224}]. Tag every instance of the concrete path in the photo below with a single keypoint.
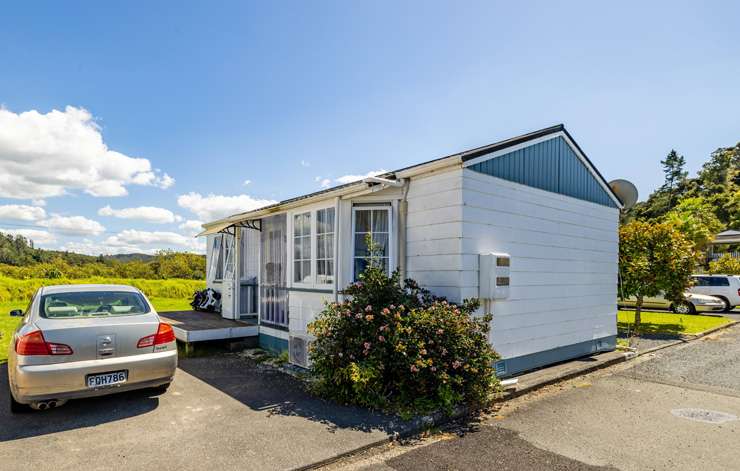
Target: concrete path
[
  {"x": 221, "y": 413},
  {"x": 675, "y": 409}
]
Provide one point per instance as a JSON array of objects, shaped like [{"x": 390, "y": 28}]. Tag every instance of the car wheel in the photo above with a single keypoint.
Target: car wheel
[
  {"x": 727, "y": 307},
  {"x": 683, "y": 308}
]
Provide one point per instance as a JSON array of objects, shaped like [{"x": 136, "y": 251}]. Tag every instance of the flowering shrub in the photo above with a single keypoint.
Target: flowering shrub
[{"x": 396, "y": 347}]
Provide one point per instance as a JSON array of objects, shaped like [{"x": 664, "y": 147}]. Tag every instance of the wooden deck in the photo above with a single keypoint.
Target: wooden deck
[{"x": 196, "y": 326}]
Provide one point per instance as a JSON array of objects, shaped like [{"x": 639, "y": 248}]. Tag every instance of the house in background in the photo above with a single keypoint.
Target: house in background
[
  {"x": 724, "y": 243},
  {"x": 536, "y": 201}
]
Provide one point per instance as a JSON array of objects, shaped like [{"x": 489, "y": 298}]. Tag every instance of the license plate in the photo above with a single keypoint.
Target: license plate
[{"x": 106, "y": 379}]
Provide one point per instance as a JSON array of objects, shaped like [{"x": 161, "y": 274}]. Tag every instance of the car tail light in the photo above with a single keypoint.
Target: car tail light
[
  {"x": 164, "y": 334},
  {"x": 738, "y": 291},
  {"x": 34, "y": 343}
]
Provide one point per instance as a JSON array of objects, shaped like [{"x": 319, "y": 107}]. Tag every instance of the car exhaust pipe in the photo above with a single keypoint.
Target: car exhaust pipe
[{"x": 46, "y": 405}]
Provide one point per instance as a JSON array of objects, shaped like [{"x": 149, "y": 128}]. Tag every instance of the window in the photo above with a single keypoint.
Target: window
[
  {"x": 325, "y": 246},
  {"x": 92, "y": 303},
  {"x": 373, "y": 222},
  {"x": 216, "y": 270},
  {"x": 701, "y": 281},
  {"x": 313, "y": 247},
  {"x": 719, "y": 281},
  {"x": 302, "y": 248},
  {"x": 227, "y": 254}
]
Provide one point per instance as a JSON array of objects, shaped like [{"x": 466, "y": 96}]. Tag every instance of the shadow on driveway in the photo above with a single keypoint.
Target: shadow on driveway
[
  {"x": 73, "y": 415},
  {"x": 265, "y": 389}
]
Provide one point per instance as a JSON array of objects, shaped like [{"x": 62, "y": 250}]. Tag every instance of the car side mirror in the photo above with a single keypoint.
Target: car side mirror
[{"x": 16, "y": 313}]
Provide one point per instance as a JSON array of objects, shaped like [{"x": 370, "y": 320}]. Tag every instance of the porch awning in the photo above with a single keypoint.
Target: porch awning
[{"x": 215, "y": 229}]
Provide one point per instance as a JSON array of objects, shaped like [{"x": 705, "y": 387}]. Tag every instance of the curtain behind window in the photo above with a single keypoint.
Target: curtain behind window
[
  {"x": 273, "y": 282},
  {"x": 215, "y": 268}
]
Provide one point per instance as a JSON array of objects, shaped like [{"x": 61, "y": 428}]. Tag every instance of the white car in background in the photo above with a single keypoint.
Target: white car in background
[
  {"x": 79, "y": 341},
  {"x": 724, "y": 287}
]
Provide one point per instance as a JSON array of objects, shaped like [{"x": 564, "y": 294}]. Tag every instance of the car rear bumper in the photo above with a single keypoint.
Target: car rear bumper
[{"x": 33, "y": 383}]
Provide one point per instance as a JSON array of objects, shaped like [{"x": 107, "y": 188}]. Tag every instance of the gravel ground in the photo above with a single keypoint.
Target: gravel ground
[{"x": 712, "y": 362}]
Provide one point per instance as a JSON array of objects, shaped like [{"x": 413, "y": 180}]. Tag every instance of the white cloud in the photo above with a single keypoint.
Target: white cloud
[
  {"x": 90, "y": 247},
  {"x": 161, "y": 239},
  {"x": 305, "y": 163},
  {"x": 144, "y": 213},
  {"x": 247, "y": 182},
  {"x": 38, "y": 202},
  {"x": 353, "y": 178},
  {"x": 326, "y": 182},
  {"x": 191, "y": 226},
  {"x": 45, "y": 155},
  {"x": 212, "y": 207},
  {"x": 39, "y": 237},
  {"x": 73, "y": 225},
  {"x": 22, "y": 212}
]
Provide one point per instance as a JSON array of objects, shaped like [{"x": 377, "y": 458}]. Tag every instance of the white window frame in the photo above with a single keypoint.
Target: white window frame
[
  {"x": 312, "y": 283},
  {"x": 391, "y": 235},
  {"x": 216, "y": 255},
  {"x": 315, "y": 246},
  {"x": 311, "y": 235}
]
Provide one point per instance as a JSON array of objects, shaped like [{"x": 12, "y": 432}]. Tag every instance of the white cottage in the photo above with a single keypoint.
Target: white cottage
[{"x": 536, "y": 199}]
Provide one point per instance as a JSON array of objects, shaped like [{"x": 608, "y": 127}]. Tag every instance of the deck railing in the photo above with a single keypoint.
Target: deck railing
[{"x": 717, "y": 255}]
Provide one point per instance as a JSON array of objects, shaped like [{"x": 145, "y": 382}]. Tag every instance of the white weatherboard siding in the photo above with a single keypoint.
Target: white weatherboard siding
[
  {"x": 433, "y": 238},
  {"x": 304, "y": 307},
  {"x": 563, "y": 263}
]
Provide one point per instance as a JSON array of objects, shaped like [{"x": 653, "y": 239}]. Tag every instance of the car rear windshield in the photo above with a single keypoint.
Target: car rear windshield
[{"x": 92, "y": 304}]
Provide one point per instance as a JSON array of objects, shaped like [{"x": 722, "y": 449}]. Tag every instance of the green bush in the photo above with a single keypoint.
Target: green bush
[
  {"x": 726, "y": 265},
  {"x": 13, "y": 289},
  {"x": 395, "y": 347}
]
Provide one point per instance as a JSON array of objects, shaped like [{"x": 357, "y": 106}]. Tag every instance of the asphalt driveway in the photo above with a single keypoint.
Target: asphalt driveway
[{"x": 221, "y": 413}]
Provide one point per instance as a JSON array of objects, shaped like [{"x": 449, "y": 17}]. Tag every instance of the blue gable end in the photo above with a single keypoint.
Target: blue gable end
[{"x": 550, "y": 165}]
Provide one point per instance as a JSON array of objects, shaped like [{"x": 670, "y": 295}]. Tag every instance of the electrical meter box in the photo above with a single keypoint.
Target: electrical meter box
[{"x": 494, "y": 275}]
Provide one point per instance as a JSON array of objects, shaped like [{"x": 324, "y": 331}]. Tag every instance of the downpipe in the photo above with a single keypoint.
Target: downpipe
[{"x": 403, "y": 209}]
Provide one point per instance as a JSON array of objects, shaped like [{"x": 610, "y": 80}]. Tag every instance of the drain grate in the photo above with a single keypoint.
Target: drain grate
[{"x": 704, "y": 415}]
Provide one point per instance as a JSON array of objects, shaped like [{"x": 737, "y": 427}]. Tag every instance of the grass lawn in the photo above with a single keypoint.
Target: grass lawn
[
  {"x": 8, "y": 324},
  {"x": 654, "y": 322}
]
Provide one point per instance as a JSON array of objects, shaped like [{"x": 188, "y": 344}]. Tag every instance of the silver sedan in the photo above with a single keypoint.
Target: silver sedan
[
  {"x": 79, "y": 341},
  {"x": 693, "y": 303}
]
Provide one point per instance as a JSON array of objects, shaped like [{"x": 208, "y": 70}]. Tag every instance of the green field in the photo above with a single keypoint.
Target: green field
[
  {"x": 8, "y": 324},
  {"x": 12, "y": 289},
  {"x": 668, "y": 323}
]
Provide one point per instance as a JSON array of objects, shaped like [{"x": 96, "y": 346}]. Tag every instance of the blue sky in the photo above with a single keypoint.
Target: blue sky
[{"x": 290, "y": 95}]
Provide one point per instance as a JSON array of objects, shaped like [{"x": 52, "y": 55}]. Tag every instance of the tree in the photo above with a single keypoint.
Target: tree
[
  {"x": 695, "y": 218},
  {"x": 673, "y": 168},
  {"x": 726, "y": 264},
  {"x": 654, "y": 259}
]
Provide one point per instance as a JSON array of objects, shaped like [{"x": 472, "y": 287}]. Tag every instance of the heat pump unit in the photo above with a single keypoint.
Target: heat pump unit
[{"x": 298, "y": 347}]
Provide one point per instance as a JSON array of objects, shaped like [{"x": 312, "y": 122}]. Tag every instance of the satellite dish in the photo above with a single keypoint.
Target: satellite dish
[{"x": 626, "y": 191}]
